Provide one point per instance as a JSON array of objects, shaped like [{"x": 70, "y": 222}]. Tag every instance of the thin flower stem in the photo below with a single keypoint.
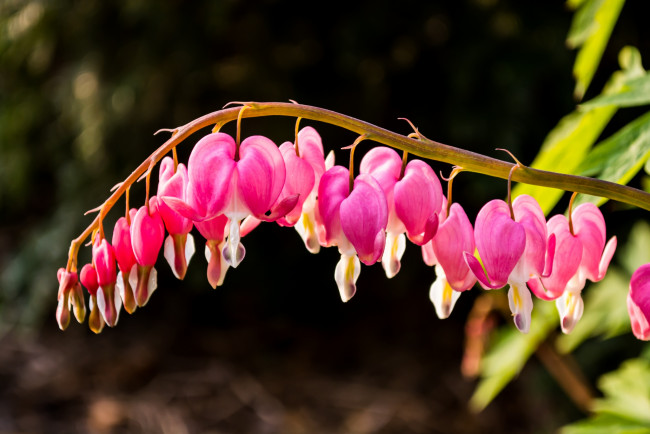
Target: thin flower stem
[
  {"x": 404, "y": 161},
  {"x": 573, "y": 197},
  {"x": 422, "y": 147},
  {"x": 296, "y": 139}
]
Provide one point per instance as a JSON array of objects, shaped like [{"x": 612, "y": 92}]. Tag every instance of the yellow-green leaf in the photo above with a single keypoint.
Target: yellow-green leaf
[{"x": 592, "y": 25}]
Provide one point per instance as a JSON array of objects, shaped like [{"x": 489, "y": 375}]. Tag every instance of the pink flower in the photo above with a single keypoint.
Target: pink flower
[
  {"x": 70, "y": 296},
  {"x": 589, "y": 228},
  {"x": 214, "y": 231},
  {"x": 455, "y": 236},
  {"x": 500, "y": 242},
  {"x": 566, "y": 261},
  {"x": 513, "y": 251},
  {"x": 638, "y": 302},
  {"x": 236, "y": 181},
  {"x": 88, "y": 277},
  {"x": 355, "y": 221},
  {"x": 125, "y": 260},
  {"x": 306, "y": 171},
  {"x": 179, "y": 244},
  {"x": 147, "y": 234},
  {"x": 580, "y": 255},
  {"x": 414, "y": 201},
  {"x": 108, "y": 299}
]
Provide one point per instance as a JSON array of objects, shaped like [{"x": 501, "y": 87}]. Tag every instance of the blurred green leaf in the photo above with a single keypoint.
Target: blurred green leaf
[
  {"x": 605, "y": 312},
  {"x": 636, "y": 252},
  {"x": 627, "y": 391},
  {"x": 570, "y": 141},
  {"x": 619, "y": 157},
  {"x": 605, "y": 424},
  {"x": 636, "y": 92},
  {"x": 564, "y": 149},
  {"x": 590, "y": 30},
  {"x": 509, "y": 354},
  {"x": 626, "y": 405}
]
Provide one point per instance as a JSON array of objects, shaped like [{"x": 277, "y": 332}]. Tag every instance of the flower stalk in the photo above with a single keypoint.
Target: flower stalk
[{"x": 420, "y": 146}]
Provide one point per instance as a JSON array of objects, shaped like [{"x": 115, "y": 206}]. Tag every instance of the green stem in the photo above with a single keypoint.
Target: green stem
[{"x": 422, "y": 147}]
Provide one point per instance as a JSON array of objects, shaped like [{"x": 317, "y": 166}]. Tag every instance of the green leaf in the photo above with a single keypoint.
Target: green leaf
[
  {"x": 590, "y": 30},
  {"x": 625, "y": 407},
  {"x": 564, "y": 149},
  {"x": 618, "y": 158},
  {"x": 627, "y": 391},
  {"x": 605, "y": 311},
  {"x": 509, "y": 354},
  {"x": 605, "y": 424},
  {"x": 570, "y": 141},
  {"x": 636, "y": 92},
  {"x": 636, "y": 252}
]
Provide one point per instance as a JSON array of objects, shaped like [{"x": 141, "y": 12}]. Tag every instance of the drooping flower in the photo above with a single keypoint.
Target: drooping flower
[
  {"x": 514, "y": 248},
  {"x": 125, "y": 260},
  {"x": 234, "y": 180},
  {"x": 147, "y": 234},
  {"x": 88, "y": 277},
  {"x": 500, "y": 242},
  {"x": 581, "y": 254},
  {"x": 414, "y": 200},
  {"x": 214, "y": 231},
  {"x": 70, "y": 295},
  {"x": 455, "y": 236},
  {"x": 355, "y": 221},
  {"x": 589, "y": 228},
  {"x": 108, "y": 299},
  {"x": 638, "y": 302},
  {"x": 179, "y": 244}
]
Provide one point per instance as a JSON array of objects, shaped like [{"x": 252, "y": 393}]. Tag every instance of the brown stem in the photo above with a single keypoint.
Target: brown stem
[
  {"x": 423, "y": 147},
  {"x": 568, "y": 375}
]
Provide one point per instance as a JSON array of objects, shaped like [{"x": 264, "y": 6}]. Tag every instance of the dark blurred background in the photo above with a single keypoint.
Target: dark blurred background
[{"x": 83, "y": 86}]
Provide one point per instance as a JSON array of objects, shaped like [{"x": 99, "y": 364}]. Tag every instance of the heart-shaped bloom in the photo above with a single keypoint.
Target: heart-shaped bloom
[
  {"x": 108, "y": 299},
  {"x": 638, "y": 302},
  {"x": 147, "y": 234},
  {"x": 414, "y": 200},
  {"x": 236, "y": 181},
  {"x": 70, "y": 296},
  {"x": 589, "y": 228},
  {"x": 355, "y": 221},
  {"x": 568, "y": 254},
  {"x": 455, "y": 236},
  {"x": 500, "y": 242},
  {"x": 214, "y": 231},
  {"x": 538, "y": 254},
  {"x": 88, "y": 277},
  {"x": 179, "y": 244},
  {"x": 125, "y": 260}
]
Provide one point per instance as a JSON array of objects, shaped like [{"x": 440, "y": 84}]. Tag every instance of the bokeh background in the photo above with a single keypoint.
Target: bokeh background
[{"x": 83, "y": 87}]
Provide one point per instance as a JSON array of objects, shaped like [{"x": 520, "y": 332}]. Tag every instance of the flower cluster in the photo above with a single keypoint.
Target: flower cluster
[{"x": 228, "y": 188}]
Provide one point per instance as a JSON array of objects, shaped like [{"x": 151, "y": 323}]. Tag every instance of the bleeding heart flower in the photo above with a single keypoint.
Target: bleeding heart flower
[
  {"x": 355, "y": 221},
  {"x": 589, "y": 228},
  {"x": 414, "y": 200},
  {"x": 125, "y": 260},
  {"x": 455, "y": 236},
  {"x": 147, "y": 234},
  {"x": 638, "y": 302},
  {"x": 214, "y": 231},
  {"x": 88, "y": 277},
  {"x": 236, "y": 181},
  {"x": 70, "y": 296},
  {"x": 179, "y": 244},
  {"x": 108, "y": 299},
  {"x": 500, "y": 242}
]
